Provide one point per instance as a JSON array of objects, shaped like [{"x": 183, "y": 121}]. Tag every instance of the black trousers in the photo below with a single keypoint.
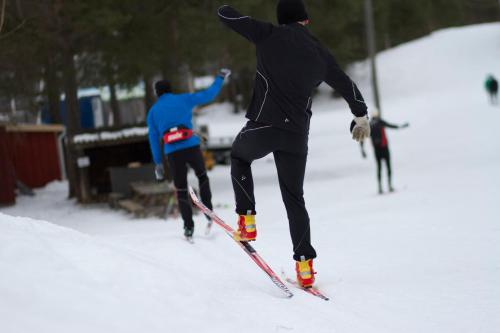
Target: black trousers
[
  {"x": 290, "y": 155},
  {"x": 178, "y": 163},
  {"x": 383, "y": 153}
]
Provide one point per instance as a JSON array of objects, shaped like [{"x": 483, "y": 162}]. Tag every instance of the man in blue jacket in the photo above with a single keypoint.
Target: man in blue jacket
[{"x": 170, "y": 120}]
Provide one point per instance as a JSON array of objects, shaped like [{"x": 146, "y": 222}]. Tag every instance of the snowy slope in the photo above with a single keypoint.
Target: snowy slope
[
  {"x": 424, "y": 259},
  {"x": 57, "y": 279}
]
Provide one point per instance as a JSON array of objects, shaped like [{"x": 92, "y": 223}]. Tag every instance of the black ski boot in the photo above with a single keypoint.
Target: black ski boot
[{"x": 188, "y": 233}]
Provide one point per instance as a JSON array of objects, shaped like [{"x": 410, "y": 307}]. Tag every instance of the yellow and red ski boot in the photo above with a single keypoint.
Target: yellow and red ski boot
[
  {"x": 247, "y": 231},
  {"x": 305, "y": 273}
]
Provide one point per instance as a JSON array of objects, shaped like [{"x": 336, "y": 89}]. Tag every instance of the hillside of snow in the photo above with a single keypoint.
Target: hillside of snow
[{"x": 423, "y": 259}]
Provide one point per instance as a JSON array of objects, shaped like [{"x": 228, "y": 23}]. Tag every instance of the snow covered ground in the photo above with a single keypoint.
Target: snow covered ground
[{"x": 424, "y": 259}]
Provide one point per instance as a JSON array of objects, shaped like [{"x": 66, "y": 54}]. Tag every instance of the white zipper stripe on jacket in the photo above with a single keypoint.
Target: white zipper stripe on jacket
[
  {"x": 255, "y": 129},
  {"x": 265, "y": 95},
  {"x": 354, "y": 93},
  {"x": 230, "y": 18},
  {"x": 308, "y": 101}
]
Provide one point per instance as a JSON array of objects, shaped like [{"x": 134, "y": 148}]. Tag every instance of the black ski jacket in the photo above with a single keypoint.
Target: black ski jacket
[
  {"x": 494, "y": 86},
  {"x": 290, "y": 64}
]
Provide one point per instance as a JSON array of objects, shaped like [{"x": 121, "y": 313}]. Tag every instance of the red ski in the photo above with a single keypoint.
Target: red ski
[
  {"x": 244, "y": 245},
  {"x": 313, "y": 290}
]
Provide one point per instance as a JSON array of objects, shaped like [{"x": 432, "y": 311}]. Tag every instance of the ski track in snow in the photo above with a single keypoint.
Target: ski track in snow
[{"x": 423, "y": 259}]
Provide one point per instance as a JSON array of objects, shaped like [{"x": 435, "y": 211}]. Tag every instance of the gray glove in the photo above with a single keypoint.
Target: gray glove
[
  {"x": 360, "y": 128},
  {"x": 159, "y": 172},
  {"x": 224, "y": 73}
]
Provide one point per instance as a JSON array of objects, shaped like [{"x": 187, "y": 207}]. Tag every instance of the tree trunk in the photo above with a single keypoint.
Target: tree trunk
[
  {"x": 20, "y": 12},
  {"x": 72, "y": 118},
  {"x": 149, "y": 94},
  {"x": 115, "y": 106},
  {"x": 71, "y": 91},
  {"x": 53, "y": 91},
  {"x": 71, "y": 170},
  {"x": 3, "y": 3}
]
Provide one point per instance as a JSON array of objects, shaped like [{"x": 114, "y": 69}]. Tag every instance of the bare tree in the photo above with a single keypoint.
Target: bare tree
[{"x": 2, "y": 14}]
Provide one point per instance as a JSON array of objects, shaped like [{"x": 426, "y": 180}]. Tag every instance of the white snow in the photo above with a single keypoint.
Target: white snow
[{"x": 424, "y": 259}]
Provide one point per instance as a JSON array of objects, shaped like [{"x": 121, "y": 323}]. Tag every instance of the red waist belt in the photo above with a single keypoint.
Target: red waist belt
[{"x": 177, "y": 134}]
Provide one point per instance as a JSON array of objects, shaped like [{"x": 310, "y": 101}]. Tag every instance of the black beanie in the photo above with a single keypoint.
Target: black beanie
[
  {"x": 291, "y": 11},
  {"x": 163, "y": 87}
]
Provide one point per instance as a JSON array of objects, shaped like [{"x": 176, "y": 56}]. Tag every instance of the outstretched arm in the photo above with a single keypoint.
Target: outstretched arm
[
  {"x": 338, "y": 80},
  {"x": 207, "y": 95},
  {"x": 253, "y": 30},
  {"x": 389, "y": 125}
]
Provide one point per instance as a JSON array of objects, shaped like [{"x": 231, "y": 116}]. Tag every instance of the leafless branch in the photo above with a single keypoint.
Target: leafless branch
[{"x": 7, "y": 34}]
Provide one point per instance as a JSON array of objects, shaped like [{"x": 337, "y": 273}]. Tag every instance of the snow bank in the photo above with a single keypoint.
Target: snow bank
[
  {"x": 56, "y": 279},
  {"x": 447, "y": 61}
]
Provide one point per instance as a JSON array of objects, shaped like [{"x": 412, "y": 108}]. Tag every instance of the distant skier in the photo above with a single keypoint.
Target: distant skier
[
  {"x": 381, "y": 147},
  {"x": 491, "y": 86},
  {"x": 170, "y": 119},
  {"x": 290, "y": 64}
]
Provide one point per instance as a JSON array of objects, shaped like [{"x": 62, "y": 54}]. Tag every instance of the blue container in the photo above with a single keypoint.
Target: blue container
[{"x": 87, "y": 120}]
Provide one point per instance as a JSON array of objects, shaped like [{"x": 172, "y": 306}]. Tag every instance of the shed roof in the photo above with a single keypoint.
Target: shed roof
[{"x": 55, "y": 128}]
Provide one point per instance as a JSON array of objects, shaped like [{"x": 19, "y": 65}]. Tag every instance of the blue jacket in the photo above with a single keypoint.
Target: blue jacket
[{"x": 172, "y": 110}]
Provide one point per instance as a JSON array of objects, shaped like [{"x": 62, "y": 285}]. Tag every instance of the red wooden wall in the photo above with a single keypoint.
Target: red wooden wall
[
  {"x": 29, "y": 155},
  {"x": 35, "y": 157},
  {"x": 7, "y": 180}
]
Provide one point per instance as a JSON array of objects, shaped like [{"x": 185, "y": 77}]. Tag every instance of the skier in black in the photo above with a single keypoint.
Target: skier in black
[
  {"x": 491, "y": 85},
  {"x": 381, "y": 147},
  {"x": 290, "y": 64}
]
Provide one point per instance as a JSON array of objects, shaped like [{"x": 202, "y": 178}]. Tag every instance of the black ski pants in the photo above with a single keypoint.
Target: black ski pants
[
  {"x": 178, "y": 163},
  {"x": 290, "y": 155},
  {"x": 383, "y": 153}
]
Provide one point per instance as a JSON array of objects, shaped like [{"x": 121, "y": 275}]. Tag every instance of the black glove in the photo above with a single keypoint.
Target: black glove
[{"x": 405, "y": 125}]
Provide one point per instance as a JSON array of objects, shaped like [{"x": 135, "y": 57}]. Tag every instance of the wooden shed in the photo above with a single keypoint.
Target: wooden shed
[
  {"x": 31, "y": 154},
  {"x": 97, "y": 154}
]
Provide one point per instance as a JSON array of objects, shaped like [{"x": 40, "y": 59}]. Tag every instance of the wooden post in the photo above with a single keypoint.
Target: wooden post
[
  {"x": 83, "y": 163},
  {"x": 71, "y": 168}
]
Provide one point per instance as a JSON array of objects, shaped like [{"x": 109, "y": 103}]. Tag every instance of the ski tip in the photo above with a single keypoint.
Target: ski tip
[
  {"x": 323, "y": 297},
  {"x": 318, "y": 294},
  {"x": 311, "y": 290}
]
